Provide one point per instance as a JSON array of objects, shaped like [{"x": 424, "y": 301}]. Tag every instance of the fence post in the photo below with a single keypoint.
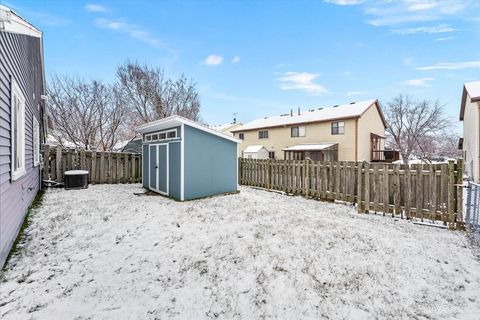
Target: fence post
[
  {"x": 93, "y": 174},
  {"x": 359, "y": 187},
  {"x": 396, "y": 195},
  {"x": 451, "y": 193},
  {"x": 82, "y": 160},
  {"x": 367, "y": 187},
  {"x": 239, "y": 170},
  {"x": 459, "y": 189},
  {"x": 386, "y": 194},
  {"x": 46, "y": 162},
  {"x": 408, "y": 190},
  {"x": 58, "y": 161}
]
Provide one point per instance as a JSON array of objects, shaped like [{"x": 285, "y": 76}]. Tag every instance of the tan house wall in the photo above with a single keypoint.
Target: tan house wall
[
  {"x": 471, "y": 139},
  {"x": 320, "y": 132},
  {"x": 369, "y": 122},
  {"x": 280, "y": 138}
]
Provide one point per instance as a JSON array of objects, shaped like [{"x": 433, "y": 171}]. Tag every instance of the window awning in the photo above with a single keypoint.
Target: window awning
[{"x": 310, "y": 147}]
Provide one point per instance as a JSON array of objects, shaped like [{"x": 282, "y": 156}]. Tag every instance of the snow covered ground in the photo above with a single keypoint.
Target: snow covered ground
[{"x": 105, "y": 253}]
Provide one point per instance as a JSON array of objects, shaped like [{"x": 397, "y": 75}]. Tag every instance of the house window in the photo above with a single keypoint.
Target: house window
[
  {"x": 271, "y": 154},
  {"x": 162, "y": 136},
  {"x": 263, "y": 134},
  {"x": 36, "y": 142},
  {"x": 17, "y": 132},
  {"x": 298, "y": 132},
  {"x": 148, "y": 138},
  {"x": 241, "y": 136},
  {"x": 154, "y": 137},
  {"x": 338, "y": 127},
  {"x": 172, "y": 134}
]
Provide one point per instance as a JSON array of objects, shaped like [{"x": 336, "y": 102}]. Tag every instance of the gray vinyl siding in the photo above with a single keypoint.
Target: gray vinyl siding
[
  {"x": 210, "y": 164},
  {"x": 20, "y": 59}
]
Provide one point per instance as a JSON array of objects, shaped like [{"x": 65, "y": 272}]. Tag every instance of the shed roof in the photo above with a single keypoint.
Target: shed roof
[
  {"x": 174, "y": 121},
  {"x": 254, "y": 149},
  {"x": 471, "y": 89},
  {"x": 310, "y": 147},
  {"x": 345, "y": 111}
]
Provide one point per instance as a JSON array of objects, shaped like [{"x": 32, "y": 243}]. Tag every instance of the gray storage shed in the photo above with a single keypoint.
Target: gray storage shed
[{"x": 185, "y": 160}]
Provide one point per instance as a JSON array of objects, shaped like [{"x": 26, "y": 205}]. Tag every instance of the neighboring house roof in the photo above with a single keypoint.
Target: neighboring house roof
[
  {"x": 225, "y": 127},
  {"x": 175, "y": 121},
  {"x": 254, "y": 149},
  {"x": 10, "y": 21},
  {"x": 310, "y": 147},
  {"x": 471, "y": 89},
  {"x": 133, "y": 146},
  {"x": 345, "y": 111}
]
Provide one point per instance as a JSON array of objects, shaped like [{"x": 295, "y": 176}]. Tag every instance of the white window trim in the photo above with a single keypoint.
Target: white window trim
[
  {"x": 15, "y": 91},
  {"x": 159, "y": 133},
  {"x": 36, "y": 142}
]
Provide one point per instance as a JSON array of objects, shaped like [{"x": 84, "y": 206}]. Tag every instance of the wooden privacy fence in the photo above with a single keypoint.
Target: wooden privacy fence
[
  {"x": 104, "y": 167},
  {"x": 421, "y": 191}
]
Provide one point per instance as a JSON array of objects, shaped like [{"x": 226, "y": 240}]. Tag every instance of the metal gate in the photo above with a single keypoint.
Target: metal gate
[{"x": 473, "y": 207}]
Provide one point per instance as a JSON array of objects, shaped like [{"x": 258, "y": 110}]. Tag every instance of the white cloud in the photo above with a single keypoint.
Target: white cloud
[
  {"x": 453, "y": 65},
  {"x": 355, "y": 93},
  {"x": 345, "y": 2},
  {"x": 213, "y": 60},
  {"x": 132, "y": 30},
  {"x": 398, "y": 12},
  {"x": 303, "y": 81},
  {"x": 441, "y": 28},
  {"x": 93, "y": 7},
  {"x": 236, "y": 59},
  {"x": 421, "y": 82},
  {"x": 445, "y": 39}
]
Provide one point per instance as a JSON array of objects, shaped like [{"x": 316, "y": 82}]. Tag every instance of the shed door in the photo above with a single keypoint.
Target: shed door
[{"x": 159, "y": 168}]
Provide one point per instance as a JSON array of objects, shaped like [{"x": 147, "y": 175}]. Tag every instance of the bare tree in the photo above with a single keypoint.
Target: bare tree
[
  {"x": 437, "y": 148},
  {"x": 150, "y": 96},
  {"x": 411, "y": 122},
  {"x": 86, "y": 114}
]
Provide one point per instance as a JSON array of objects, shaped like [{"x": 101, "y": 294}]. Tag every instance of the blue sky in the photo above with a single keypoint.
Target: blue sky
[{"x": 259, "y": 58}]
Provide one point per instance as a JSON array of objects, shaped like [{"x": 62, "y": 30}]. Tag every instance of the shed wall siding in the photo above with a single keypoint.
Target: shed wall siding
[
  {"x": 210, "y": 164},
  {"x": 20, "y": 59},
  {"x": 174, "y": 170}
]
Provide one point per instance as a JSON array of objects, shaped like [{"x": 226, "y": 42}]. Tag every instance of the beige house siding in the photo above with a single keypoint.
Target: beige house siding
[
  {"x": 369, "y": 122},
  {"x": 471, "y": 139},
  {"x": 357, "y": 133},
  {"x": 320, "y": 132}
]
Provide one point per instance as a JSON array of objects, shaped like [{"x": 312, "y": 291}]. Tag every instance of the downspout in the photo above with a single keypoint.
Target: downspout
[{"x": 356, "y": 139}]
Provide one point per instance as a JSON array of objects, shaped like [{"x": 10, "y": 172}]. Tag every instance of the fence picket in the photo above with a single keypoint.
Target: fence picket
[{"x": 58, "y": 160}]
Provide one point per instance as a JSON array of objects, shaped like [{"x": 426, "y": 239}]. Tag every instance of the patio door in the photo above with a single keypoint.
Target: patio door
[{"x": 158, "y": 157}]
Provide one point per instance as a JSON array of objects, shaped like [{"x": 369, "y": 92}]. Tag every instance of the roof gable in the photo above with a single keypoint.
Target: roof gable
[
  {"x": 472, "y": 90},
  {"x": 10, "y": 21},
  {"x": 345, "y": 111},
  {"x": 174, "y": 121}
]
